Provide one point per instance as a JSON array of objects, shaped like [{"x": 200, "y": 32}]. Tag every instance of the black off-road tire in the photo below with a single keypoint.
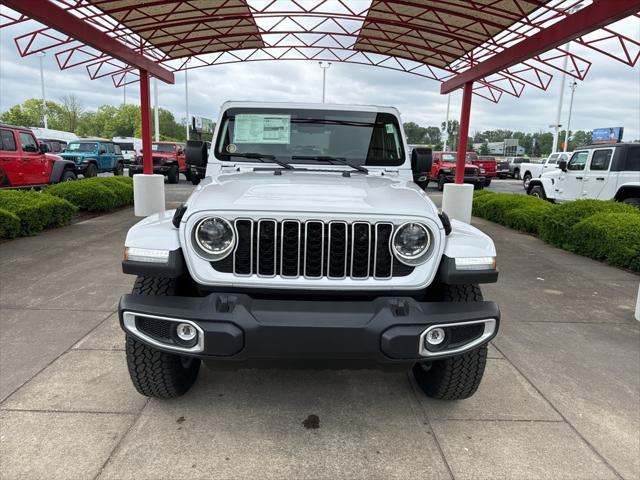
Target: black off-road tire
[
  {"x": 68, "y": 175},
  {"x": 487, "y": 182},
  {"x": 458, "y": 377},
  {"x": 538, "y": 191},
  {"x": 155, "y": 373},
  {"x": 90, "y": 171},
  {"x": 635, "y": 202},
  {"x": 173, "y": 176},
  {"x": 187, "y": 175},
  {"x": 119, "y": 170},
  {"x": 195, "y": 179},
  {"x": 131, "y": 172},
  {"x": 441, "y": 182}
]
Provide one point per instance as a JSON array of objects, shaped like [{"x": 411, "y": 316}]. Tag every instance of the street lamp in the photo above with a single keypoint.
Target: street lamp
[
  {"x": 573, "y": 87},
  {"x": 324, "y": 66},
  {"x": 557, "y": 125},
  {"x": 44, "y": 100}
]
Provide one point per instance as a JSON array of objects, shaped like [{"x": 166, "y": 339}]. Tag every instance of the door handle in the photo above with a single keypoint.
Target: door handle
[
  {"x": 578, "y": 178},
  {"x": 600, "y": 178}
]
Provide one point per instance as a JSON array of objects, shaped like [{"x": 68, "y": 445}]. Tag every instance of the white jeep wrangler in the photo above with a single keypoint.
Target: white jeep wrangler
[
  {"x": 600, "y": 172},
  {"x": 308, "y": 244}
]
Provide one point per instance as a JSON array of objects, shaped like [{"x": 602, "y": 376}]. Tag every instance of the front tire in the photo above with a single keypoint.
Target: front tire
[
  {"x": 516, "y": 174},
  {"x": 454, "y": 378},
  {"x": 68, "y": 175},
  {"x": 441, "y": 182},
  {"x": 487, "y": 182},
  {"x": 173, "y": 176},
  {"x": 155, "y": 373},
  {"x": 195, "y": 179},
  {"x": 526, "y": 180},
  {"x": 119, "y": 170},
  {"x": 538, "y": 191},
  {"x": 91, "y": 171}
]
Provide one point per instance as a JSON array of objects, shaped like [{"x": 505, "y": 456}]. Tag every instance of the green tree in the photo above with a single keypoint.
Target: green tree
[
  {"x": 454, "y": 128},
  {"x": 72, "y": 110},
  {"x": 31, "y": 114},
  {"x": 415, "y": 133},
  {"x": 484, "y": 148}
]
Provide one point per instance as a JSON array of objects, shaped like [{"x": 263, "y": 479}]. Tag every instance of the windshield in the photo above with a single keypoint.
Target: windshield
[
  {"x": 360, "y": 138},
  {"x": 82, "y": 147},
  {"x": 125, "y": 147},
  {"x": 163, "y": 147}
]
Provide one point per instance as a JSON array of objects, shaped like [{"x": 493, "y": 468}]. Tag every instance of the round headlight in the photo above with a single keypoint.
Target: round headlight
[
  {"x": 215, "y": 237},
  {"x": 411, "y": 243}
]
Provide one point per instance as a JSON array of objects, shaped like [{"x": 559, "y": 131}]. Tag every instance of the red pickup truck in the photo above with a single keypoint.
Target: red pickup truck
[
  {"x": 168, "y": 159},
  {"x": 443, "y": 170},
  {"x": 488, "y": 163},
  {"x": 26, "y": 163}
]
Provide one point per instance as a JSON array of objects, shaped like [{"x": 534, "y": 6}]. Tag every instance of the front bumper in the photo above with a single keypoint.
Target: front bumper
[
  {"x": 239, "y": 328},
  {"x": 162, "y": 169},
  {"x": 472, "y": 179}
]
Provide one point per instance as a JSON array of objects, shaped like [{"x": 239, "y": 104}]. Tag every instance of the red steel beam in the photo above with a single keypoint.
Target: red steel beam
[
  {"x": 61, "y": 20},
  {"x": 145, "y": 116},
  {"x": 463, "y": 135},
  {"x": 597, "y": 15}
]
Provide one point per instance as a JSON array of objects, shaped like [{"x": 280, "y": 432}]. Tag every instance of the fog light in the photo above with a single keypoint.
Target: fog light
[
  {"x": 186, "y": 332},
  {"x": 434, "y": 336}
]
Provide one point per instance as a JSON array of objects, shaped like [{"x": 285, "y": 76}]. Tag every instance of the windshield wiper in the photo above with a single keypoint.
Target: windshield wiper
[
  {"x": 326, "y": 158},
  {"x": 261, "y": 156}
]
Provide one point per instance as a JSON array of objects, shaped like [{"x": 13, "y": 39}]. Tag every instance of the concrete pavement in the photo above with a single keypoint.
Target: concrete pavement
[{"x": 560, "y": 397}]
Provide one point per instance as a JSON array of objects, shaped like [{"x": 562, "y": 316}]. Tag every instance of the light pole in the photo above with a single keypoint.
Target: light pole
[
  {"x": 324, "y": 66},
  {"x": 446, "y": 124},
  {"x": 186, "y": 95},
  {"x": 557, "y": 125},
  {"x": 566, "y": 133},
  {"x": 44, "y": 100},
  {"x": 156, "y": 121}
]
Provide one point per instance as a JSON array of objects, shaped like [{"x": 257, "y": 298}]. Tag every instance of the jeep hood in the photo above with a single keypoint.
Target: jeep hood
[{"x": 321, "y": 192}]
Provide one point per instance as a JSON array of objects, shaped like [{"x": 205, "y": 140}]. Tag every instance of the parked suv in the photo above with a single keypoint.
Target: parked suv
[
  {"x": 602, "y": 172},
  {"x": 168, "y": 160},
  {"x": 25, "y": 163},
  {"x": 94, "y": 155},
  {"x": 308, "y": 243},
  {"x": 443, "y": 170}
]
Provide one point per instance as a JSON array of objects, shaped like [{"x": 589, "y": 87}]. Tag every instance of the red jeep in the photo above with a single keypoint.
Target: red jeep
[
  {"x": 168, "y": 160},
  {"x": 443, "y": 170},
  {"x": 25, "y": 163}
]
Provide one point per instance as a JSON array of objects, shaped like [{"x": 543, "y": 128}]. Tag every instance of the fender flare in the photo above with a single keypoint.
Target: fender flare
[
  {"x": 546, "y": 185},
  {"x": 58, "y": 167},
  {"x": 625, "y": 188}
]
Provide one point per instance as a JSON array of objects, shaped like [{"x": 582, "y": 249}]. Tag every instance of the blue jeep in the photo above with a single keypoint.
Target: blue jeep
[{"x": 92, "y": 156}]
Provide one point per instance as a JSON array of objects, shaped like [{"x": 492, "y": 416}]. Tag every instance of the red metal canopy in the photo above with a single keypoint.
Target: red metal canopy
[{"x": 492, "y": 47}]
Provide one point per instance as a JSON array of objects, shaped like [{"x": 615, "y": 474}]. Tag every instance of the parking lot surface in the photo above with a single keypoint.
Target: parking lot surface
[{"x": 560, "y": 397}]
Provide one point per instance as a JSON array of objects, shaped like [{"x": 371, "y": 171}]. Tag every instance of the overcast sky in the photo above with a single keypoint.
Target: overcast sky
[{"x": 610, "y": 95}]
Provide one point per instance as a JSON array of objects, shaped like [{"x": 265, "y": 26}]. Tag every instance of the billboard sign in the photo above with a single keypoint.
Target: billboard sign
[
  {"x": 202, "y": 124},
  {"x": 607, "y": 135}
]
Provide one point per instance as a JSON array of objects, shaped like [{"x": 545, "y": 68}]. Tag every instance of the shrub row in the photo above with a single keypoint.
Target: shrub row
[
  {"x": 25, "y": 213},
  {"x": 98, "y": 194},
  {"x": 603, "y": 230}
]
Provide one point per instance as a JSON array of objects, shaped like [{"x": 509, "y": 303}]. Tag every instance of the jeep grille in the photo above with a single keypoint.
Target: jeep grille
[{"x": 313, "y": 250}]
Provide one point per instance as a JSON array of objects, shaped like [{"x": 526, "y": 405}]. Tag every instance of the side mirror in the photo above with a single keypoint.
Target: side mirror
[
  {"x": 44, "y": 148},
  {"x": 196, "y": 153},
  {"x": 562, "y": 165},
  {"x": 421, "y": 160}
]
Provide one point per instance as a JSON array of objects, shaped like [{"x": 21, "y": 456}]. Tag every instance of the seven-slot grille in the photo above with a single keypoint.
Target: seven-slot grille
[{"x": 313, "y": 250}]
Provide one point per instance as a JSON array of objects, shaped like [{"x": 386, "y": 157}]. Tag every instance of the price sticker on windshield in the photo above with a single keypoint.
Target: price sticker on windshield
[{"x": 262, "y": 129}]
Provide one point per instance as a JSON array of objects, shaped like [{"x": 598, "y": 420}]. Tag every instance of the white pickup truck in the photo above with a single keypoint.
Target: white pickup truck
[
  {"x": 535, "y": 170},
  {"x": 601, "y": 172}
]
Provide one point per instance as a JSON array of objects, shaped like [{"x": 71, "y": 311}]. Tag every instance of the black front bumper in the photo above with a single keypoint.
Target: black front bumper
[
  {"x": 472, "y": 179},
  {"x": 239, "y": 328},
  {"x": 161, "y": 169}
]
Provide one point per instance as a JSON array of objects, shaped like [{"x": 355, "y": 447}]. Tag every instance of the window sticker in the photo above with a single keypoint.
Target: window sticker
[
  {"x": 389, "y": 127},
  {"x": 259, "y": 128}
]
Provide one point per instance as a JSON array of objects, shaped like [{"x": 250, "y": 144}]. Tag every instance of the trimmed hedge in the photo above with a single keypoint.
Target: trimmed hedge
[
  {"x": 564, "y": 216},
  {"x": 603, "y": 230},
  {"x": 9, "y": 224},
  {"x": 98, "y": 194},
  {"x": 613, "y": 237},
  {"x": 35, "y": 211}
]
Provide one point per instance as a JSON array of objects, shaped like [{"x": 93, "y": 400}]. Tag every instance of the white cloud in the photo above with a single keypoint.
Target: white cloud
[{"x": 610, "y": 96}]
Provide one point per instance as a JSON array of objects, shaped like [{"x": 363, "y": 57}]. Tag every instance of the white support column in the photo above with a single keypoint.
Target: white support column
[
  {"x": 148, "y": 194},
  {"x": 457, "y": 201}
]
